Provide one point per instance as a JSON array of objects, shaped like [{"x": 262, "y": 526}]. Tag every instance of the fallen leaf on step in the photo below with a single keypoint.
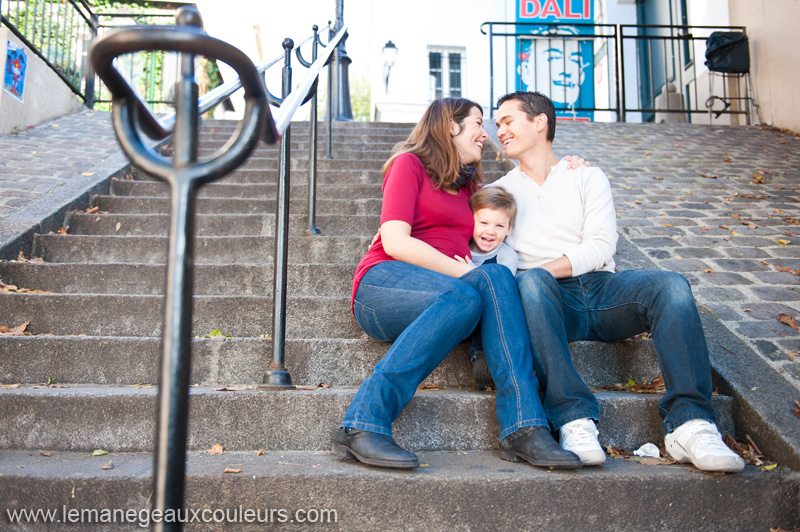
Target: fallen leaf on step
[
  {"x": 19, "y": 330},
  {"x": 788, "y": 320},
  {"x": 22, "y": 258},
  {"x": 228, "y": 389},
  {"x": 617, "y": 452},
  {"x": 48, "y": 455},
  {"x": 656, "y": 461},
  {"x": 260, "y": 452},
  {"x": 87, "y": 174},
  {"x": 229, "y": 470},
  {"x": 323, "y": 385},
  {"x": 109, "y": 465},
  {"x": 11, "y": 386},
  {"x": 217, "y": 449},
  {"x": 99, "y": 452},
  {"x": 797, "y": 408},
  {"x": 432, "y": 387}
]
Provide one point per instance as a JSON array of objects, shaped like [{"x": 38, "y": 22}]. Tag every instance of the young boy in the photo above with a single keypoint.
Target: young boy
[{"x": 494, "y": 210}]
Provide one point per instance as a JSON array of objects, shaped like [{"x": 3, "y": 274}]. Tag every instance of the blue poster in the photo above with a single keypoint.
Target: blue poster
[
  {"x": 16, "y": 68},
  {"x": 552, "y": 58}
]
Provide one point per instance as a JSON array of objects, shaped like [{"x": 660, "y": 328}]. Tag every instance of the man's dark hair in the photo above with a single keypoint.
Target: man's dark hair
[{"x": 533, "y": 104}]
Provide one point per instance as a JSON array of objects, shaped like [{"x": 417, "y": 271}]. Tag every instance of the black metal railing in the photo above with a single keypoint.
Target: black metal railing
[
  {"x": 59, "y": 32},
  {"x": 185, "y": 173},
  {"x": 616, "y": 72},
  {"x": 557, "y": 60}
]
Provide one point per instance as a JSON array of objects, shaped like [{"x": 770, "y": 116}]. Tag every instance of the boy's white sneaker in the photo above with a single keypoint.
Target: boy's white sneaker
[
  {"x": 580, "y": 437},
  {"x": 698, "y": 441}
]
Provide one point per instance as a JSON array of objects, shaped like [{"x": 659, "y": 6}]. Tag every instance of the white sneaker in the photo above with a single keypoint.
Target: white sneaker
[
  {"x": 699, "y": 442},
  {"x": 580, "y": 437}
]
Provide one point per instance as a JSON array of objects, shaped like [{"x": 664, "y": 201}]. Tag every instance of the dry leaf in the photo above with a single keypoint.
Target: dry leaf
[
  {"x": 727, "y": 159},
  {"x": 797, "y": 408},
  {"x": 788, "y": 320},
  {"x": 710, "y": 270},
  {"x": 217, "y": 449},
  {"x": 431, "y": 387},
  {"x": 668, "y": 225},
  {"x": 260, "y": 452},
  {"x": 777, "y": 211},
  {"x": 792, "y": 355},
  {"x": 784, "y": 242},
  {"x": 11, "y": 386},
  {"x": 19, "y": 330},
  {"x": 793, "y": 221},
  {"x": 323, "y": 385},
  {"x": 656, "y": 461},
  {"x": 109, "y": 465},
  {"x": 229, "y": 470},
  {"x": 48, "y": 455},
  {"x": 658, "y": 178},
  {"x": 708, "y": 176},
  {"x": 228, "y": 389}
]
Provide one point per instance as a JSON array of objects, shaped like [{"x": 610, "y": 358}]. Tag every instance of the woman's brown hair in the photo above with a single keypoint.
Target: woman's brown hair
[{"x": 432, "y": 141}]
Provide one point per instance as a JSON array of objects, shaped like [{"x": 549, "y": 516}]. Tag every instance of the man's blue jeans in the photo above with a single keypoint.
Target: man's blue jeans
[
  {"x": 425, "y": 315},
  {"x": 610, "y": 307}
]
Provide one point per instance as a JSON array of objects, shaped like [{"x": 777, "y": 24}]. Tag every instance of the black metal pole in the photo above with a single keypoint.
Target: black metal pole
[
  {"x": 344, "y": 109},
  {"x": 277, "y": 376},
  {"x": 329, "y": 114},
  {"x": 173, "y": 390},
  {"x": 312, "y": 229}
]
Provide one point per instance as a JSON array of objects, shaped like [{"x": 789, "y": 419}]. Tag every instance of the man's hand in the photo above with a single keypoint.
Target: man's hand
[{"x": 575, "y": 162}]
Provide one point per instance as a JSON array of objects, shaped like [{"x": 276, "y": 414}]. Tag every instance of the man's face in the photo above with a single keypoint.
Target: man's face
[
  {"x": 491, "y": 228},
  {"x": 515, "y": 131}
]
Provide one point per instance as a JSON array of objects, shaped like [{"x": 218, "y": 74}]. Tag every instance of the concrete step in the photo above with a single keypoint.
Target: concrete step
[
  {"x": 297, "y": 204},
  {"x": 120, "y": 419},
  {"x": 208, "y": 249},
  {"x": 149, "y": 279},
  {"x": 300, "y": 176},
  {"x": 219, "y": 225},
  {"x": 138, "y": 315},
  {"x": 243, "y": 361},
  {"x": 454, "y": 491},
  {"x": 250, "y": 190}
]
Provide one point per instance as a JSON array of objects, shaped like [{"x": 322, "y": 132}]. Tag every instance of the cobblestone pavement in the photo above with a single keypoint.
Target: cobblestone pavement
[
  {"x": 38, "y": 161},
  {"x": 720, "y": 205}
]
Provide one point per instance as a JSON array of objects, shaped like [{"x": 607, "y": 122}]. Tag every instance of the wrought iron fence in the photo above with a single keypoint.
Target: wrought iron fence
[
  {"x": 152, "y": 72},
  {"x": 59, "y": 32},
  {"x": 622, "y": 73}
]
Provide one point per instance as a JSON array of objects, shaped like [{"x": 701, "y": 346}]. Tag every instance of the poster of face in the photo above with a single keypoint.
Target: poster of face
[
  {"x": 553, "y": 59},
  {"x": 16, "y": 69}
]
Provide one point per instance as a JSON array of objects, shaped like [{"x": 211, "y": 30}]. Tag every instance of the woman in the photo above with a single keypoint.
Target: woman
[{"x": 411, "y": 289}]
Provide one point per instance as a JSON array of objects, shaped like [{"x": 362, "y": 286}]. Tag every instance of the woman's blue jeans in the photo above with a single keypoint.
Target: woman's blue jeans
[
  {"x": 425, "y": 315},
  {"x": 610, "y": 307}
]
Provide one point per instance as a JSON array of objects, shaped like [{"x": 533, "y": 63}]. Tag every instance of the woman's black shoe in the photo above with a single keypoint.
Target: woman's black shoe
[
  {"x": 372, "y": 448},
  {"x": 537, "y": 446}
]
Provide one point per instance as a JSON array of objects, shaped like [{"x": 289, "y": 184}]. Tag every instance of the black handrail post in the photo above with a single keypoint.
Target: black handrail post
[
  {"x": 312, "y": 229},
  {"x": 88, "y": 70},
  {"x": 329, "y": 116},
  {"x": 173, "y": 391},
  {"x": 344, "y": 108},
  {"x": 277, "y": 376},
  {"x": 491, "y": 71}
]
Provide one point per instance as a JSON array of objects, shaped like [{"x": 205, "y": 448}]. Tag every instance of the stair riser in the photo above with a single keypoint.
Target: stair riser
[
  {"x": 268, "y": 191},
  {"x": 208, "y": 250},
  {"x": 250, "y": 420},
  {"x": 243, "y": 361},
  {"x": 298, "y": 204},
  {"x": 324, "y": 177},
  {"x": 149, "y": 279},
  {"x": 218, "y": 225},
  {"x": 101, "y": 315}
]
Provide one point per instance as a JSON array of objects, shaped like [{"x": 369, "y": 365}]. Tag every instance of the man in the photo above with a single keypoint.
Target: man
[{"x": 565, "y": 235}]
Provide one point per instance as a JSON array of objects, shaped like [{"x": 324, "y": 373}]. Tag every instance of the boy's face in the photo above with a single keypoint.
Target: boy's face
[{"x": 491, "y": 228}]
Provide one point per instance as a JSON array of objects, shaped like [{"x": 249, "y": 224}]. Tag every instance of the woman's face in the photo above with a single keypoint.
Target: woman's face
[{"x": 469, "y": 137}]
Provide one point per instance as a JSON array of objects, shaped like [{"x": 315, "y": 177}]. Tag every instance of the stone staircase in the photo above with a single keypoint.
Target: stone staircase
[{"x": 96, "y": 346}]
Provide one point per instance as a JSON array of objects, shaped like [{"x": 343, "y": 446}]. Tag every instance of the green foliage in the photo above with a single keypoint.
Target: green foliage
[{"x": 360, "y": 98}]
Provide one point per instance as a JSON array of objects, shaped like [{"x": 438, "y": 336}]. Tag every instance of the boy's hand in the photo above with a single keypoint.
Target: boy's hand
[
  {"x": 575, "y": 162},
  {"x": 374, "y": 239}
]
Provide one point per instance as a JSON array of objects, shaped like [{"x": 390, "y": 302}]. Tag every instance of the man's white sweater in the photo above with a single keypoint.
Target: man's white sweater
[{"x": 571, "y": 214}]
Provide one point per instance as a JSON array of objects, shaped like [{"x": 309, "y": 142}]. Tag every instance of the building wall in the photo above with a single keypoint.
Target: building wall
[
  {"x": 774, "y": 67},
  {"x": 45, "y": 95}
]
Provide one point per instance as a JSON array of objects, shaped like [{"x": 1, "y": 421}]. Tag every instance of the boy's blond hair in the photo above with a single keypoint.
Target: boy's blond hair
[{"x": 495, "y": 198}]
